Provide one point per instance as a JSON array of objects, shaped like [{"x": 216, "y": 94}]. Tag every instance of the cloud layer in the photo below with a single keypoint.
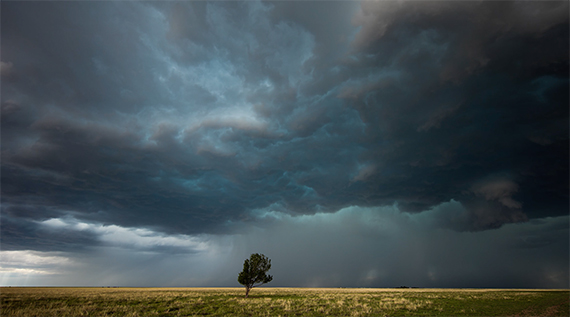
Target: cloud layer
[
  {"x": 157, "y": 125},
  {"x": 354, "y": 247}
]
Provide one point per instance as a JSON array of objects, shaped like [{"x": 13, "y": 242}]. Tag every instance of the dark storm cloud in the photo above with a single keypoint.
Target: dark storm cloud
[
  {"x": 136, "y": 132},
  {"x": 189, "y": 118},
  {"x": 453, "y": 95}
]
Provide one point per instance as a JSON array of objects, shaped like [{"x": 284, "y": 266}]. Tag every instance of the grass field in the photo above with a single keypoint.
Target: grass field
[{"x": 16, "y": 301}]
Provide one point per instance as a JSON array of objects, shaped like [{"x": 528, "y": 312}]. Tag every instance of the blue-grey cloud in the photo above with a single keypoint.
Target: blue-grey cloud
[
  {"x": 354, "y": 247},
  {"x": 193, "y": 118}
]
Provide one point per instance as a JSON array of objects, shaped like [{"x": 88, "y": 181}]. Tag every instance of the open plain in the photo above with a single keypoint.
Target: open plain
[{"x": 70, "y": 301}]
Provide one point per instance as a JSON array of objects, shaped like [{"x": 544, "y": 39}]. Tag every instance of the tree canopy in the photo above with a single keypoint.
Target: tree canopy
[{"x": 255, "y": 272}]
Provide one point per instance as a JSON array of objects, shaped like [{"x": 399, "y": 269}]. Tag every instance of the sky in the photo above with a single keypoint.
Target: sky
[{"x": 355, "y": 144}]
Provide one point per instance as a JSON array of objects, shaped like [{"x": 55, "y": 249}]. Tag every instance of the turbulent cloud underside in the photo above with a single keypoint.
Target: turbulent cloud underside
[{"x": 197, "y": 128}]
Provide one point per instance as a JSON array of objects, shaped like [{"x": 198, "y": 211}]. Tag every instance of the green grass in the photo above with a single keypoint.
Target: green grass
[{"x": 17, "y": 301}]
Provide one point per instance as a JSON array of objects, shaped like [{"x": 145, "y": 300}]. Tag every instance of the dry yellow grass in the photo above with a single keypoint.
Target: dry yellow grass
[{"x": 280, "y": 302}]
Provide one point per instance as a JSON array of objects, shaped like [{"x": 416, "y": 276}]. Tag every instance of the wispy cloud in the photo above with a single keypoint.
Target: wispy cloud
[{"x": 136, "y": 238}]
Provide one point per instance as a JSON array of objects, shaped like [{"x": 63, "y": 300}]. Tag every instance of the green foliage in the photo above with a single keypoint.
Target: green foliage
[{"x": 255, "y": 272}]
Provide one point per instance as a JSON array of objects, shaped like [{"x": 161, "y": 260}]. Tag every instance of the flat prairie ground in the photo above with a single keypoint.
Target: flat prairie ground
[{"x": 28, "y": 301}]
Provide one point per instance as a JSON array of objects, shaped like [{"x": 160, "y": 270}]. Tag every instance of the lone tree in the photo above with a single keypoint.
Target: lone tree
[{"x": 254, "y": 272}]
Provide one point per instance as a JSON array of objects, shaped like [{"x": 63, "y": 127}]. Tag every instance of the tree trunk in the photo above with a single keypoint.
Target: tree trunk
[{"x": 247, "y": 291}]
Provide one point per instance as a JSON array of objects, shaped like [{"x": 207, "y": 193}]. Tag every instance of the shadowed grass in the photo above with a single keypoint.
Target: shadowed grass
[{"x": 280, "y": 302}]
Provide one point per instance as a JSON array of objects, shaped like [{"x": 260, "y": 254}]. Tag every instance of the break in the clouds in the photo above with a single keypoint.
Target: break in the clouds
[{"x": 378, "y": 143}]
